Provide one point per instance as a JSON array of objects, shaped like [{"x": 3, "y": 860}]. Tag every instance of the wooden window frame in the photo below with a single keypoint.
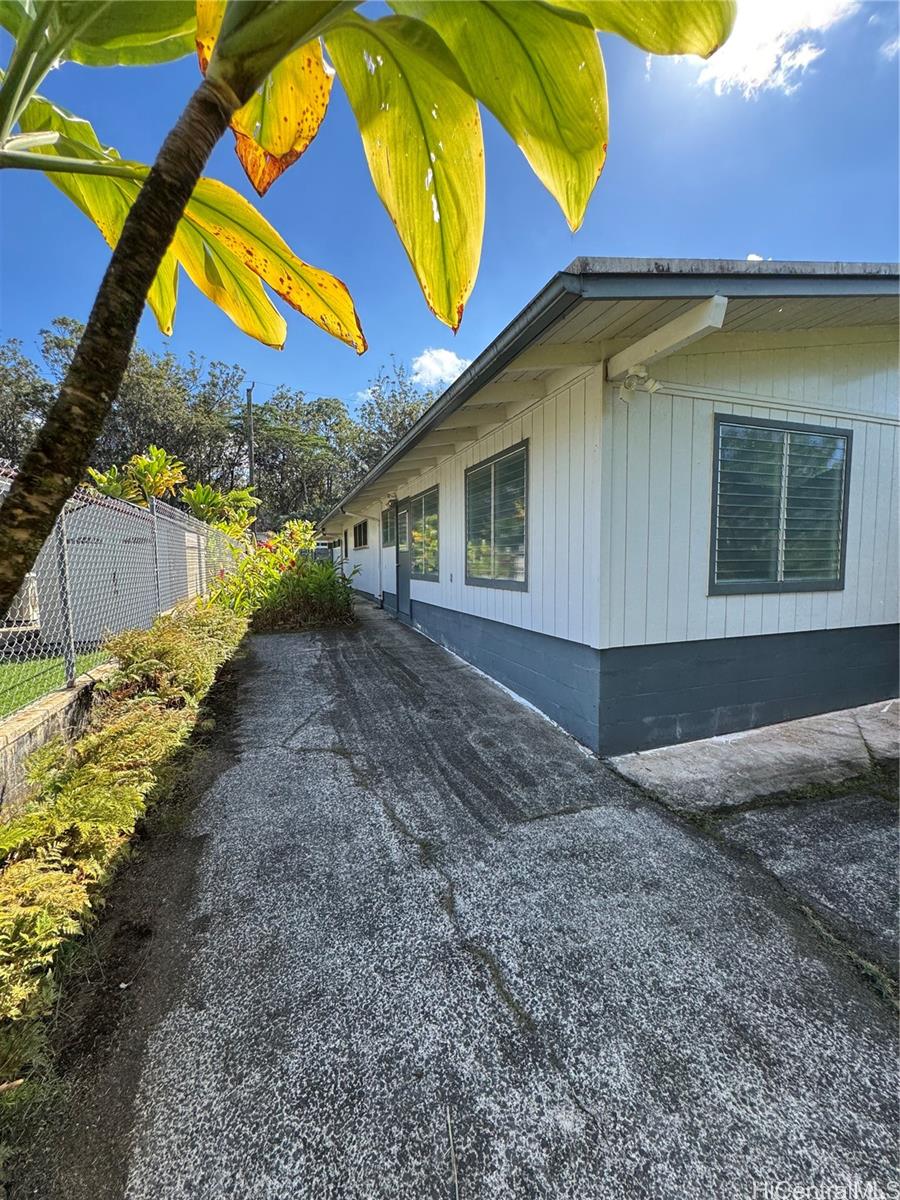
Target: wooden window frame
[
  {"x": 510, "y": 585},
  {"x": 753, "y": 588},
  {"x": 364, "y": 526}
]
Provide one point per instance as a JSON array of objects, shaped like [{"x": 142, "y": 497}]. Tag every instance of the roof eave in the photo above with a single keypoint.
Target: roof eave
[
  {"x": 563, "y": 291},
  {"x": 623, "y": 279}
]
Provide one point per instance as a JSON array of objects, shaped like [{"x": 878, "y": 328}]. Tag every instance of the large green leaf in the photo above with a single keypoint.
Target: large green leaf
[
  {"x": 422, "y": 137},
  {"x": 541, "y": 74},
  {"x": 106, "y": 201},
  {"x": 126, "y": 32},
  {"x": 223, "y": 243},
  {"x": 662, "y": 26}
]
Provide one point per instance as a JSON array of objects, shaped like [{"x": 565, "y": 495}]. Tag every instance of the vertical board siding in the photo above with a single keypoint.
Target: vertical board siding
[
  {"x": 367, "y": 560},
  {"x": 657, "y": 492},
  {"x": 564, "y": 474}
]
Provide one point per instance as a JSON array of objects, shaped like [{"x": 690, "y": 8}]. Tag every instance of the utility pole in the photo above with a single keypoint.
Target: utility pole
[{"x": 252, "y": 446}]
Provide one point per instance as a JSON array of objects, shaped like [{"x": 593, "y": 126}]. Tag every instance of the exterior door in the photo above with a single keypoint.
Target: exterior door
[{"x": 403, "y": 557}]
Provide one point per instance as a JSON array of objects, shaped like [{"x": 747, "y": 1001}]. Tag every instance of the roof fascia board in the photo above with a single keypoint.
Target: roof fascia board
[{"x": 664, "y": 287}]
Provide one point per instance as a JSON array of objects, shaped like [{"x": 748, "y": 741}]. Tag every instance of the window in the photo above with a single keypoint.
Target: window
[
  {"x": 346, "y": 546},
  {"x": 496, "y": 520},
  {"x": 389, "y": 527},
  {"x": 403, "y": 530},
  {"x": 360, "y": 535},
  {"x": 779, "y": 507},
  {"x": 423, "y": 524}
]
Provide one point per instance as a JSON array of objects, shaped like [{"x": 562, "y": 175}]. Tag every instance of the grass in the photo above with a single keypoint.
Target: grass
[{"x": 23, "y": 682}]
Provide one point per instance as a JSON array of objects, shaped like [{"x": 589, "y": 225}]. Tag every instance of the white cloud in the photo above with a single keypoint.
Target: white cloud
[
  {"x": 754, "y": 258},
  {"x": 773, "y": 43},
  {"x": 433, "y": 367},
  {"x": 891, "y": 48}
]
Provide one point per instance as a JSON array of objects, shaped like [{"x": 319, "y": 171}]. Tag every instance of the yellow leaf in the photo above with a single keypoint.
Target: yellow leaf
[
  {"x": 228, "y": 283},
  {"x": 280, "y": 120},
  {"x": 223, "y": 243},
  {"x": 237, "y": 226},
  {"x": 106, "y": 201},
  {"x": 284, "y": 116},
  {"x": 209, "y": 22},
  {"x": 422, "y": 136}
]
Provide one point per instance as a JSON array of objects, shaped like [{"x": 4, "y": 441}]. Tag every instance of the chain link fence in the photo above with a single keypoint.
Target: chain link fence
[{"x": 108, "y": 565}]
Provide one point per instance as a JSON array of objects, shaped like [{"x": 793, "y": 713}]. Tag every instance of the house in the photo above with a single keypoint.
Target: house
[{"x": 662, "y": 504}]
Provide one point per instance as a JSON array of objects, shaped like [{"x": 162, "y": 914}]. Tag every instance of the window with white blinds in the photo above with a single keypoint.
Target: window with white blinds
[
  {"x": 423, "y": 528},
  {"x": 496, "y": 520},
  {"x": 779, "y": 507}
]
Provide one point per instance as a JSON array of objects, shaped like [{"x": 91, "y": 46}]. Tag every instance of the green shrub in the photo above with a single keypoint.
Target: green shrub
[
  {"x": 85, "y": 799},
  {"x": 307, "y": 594},
  {"x": 259, "y": 567},
  {"x": 177, "y": 657}
]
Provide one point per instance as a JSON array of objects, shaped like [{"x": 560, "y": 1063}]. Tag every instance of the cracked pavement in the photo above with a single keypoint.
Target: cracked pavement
[{"x": 408, "y": 909}]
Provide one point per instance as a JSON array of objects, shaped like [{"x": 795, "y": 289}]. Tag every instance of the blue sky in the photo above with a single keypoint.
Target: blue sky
[{"x": 784, "y": 145}]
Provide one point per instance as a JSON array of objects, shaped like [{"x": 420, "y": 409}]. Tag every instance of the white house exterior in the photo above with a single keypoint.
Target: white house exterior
[{"x": 662, "y": 504}]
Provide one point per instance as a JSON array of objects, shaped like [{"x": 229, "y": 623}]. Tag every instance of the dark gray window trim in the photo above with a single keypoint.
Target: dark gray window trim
[
  {"x": 790, "y": 585},
  {"x": 361, "y": 545},
  {"x": 507, "y": 585},
  {"x": 430, "y": 576}
]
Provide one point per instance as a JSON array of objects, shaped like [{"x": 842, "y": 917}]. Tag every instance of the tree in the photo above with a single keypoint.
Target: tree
[
  {"x": 393, "y": 406},
  {"x": 24, "y": 399},
  {"x": 413, "y": 79},
  {"x": 305, "y": 452}
]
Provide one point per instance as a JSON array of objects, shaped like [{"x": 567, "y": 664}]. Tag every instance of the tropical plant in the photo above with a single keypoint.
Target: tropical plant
[
  {"x": 312, "y": 592},
  {"x": 232, "y": 510},
  {"x": 116, "y": 484},
  {"x": 258, "y": 568},
  {"x": 144, "y": 477},
  {"x": 413, "y": 79}
]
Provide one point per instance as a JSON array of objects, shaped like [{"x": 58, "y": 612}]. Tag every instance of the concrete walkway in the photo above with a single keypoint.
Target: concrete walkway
[{"x": 412, "y": 942}]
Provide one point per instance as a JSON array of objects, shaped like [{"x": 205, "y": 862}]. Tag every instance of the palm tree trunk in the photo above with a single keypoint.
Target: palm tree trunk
[{"x": 56, "y": 462}]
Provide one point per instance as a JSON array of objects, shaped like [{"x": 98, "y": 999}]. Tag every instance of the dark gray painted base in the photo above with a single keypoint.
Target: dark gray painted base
[
  {"x": 679, "y": 692},
  {"x": 639, "y": 697},
  {"x": 560, "y": 678},
  {"x": 365, "y": 595},
  {"x": 390, "y": 601}
]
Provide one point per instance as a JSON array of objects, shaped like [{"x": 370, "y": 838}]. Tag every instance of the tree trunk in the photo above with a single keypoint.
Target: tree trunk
[{"x": 55, "y": 464}]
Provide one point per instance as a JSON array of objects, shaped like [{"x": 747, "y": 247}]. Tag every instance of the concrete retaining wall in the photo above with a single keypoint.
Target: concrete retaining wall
[{"x": 62, "y": 713}]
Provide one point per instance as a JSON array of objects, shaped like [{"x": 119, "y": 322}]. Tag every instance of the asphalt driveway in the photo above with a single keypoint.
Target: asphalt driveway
[{"x": 411, "y": 941}]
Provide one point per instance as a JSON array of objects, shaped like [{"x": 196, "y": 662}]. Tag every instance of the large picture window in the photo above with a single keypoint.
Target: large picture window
[
  {"x": 423, "y": 524},
  {"x": 496, "y": 520},
  {"x": 779, "y": 507},
  {"x": 389, "y": 526}
]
